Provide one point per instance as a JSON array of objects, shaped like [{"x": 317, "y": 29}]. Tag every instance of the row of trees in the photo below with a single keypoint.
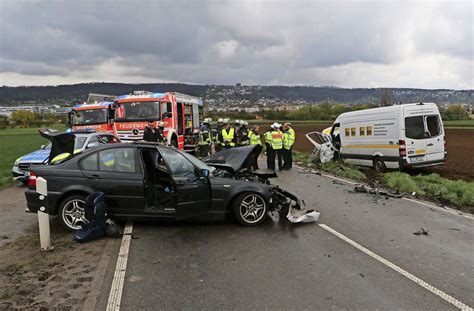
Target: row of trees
[
  {"x": 26, "y": 118},
  {"x": 326, "y": 111}
]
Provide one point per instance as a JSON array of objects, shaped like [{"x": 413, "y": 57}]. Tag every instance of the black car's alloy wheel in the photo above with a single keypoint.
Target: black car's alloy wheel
[
  {"x": 71, "y": 212},
  {"x": 250, "y": 209}
]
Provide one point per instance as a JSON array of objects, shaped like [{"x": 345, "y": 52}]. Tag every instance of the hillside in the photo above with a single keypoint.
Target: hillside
[{"x": 71, "y": 94}]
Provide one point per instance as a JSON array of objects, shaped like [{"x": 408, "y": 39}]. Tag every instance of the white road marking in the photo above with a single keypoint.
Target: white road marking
[
  {"x": 443, "y": 209},
  {"x": 115, "y": 295},
  {"x": 408, "y": 275}
]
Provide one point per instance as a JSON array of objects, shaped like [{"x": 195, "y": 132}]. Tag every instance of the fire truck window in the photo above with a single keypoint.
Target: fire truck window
[{"x": 166, "y": 110}]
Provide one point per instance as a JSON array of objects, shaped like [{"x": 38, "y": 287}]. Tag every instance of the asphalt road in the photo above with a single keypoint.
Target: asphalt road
[{"x": 282, "y": 266}]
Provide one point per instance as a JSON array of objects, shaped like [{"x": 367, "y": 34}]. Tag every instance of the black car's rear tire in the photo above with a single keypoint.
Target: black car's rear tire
[
  {"x": 250, "y": 208},
  {"x": 71, "y": 212}
]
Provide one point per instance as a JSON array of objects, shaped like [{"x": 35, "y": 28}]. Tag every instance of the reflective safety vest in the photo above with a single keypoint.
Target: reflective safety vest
[
  {"x": 286, "y": 141},
  {"x": 204, "y": 137},
  {"x": 254, "y": 138},
  {"x": 228, "y": 137},
  {"x": 292, "y": 137},
  {"x": 277, "y": 140}
]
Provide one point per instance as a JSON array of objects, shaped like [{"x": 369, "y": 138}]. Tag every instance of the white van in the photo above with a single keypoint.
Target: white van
[{"x": 400, "y": 136}]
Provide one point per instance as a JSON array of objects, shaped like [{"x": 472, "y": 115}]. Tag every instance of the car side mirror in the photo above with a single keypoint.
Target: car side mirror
[{"x": 204, "y": 173}]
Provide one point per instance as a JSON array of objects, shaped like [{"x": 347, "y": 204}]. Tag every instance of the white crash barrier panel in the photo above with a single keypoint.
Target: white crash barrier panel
[{"x": 43, "y": 216}]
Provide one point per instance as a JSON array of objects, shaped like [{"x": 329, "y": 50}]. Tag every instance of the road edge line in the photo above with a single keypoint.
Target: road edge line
[
  {"x": 116, "y": 289},
  {"x": 458, "y": 304}
]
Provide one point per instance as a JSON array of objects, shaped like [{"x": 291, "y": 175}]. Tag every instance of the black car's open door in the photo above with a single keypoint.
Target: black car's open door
[{"x": 193, "y": 191}]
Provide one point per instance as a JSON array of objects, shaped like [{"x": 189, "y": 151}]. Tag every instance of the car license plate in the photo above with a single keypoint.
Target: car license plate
[{"x": 417, "y": 159}]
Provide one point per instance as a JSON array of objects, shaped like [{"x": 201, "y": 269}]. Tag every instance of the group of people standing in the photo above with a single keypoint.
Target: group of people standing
[{"x": 278, "y": 140}]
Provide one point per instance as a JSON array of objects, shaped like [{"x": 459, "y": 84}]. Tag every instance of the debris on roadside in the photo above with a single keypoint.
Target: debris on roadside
[
  {"x": 4, "y": 237},
  {"x": 422, "y": 231},
  {"x": 303, "y": 215},
  {"x": 375, "y": 191},
  {"x": 455, "y": 229},
  {"x": 310, "y": 172},
  {"x": 337, "y": 182}
]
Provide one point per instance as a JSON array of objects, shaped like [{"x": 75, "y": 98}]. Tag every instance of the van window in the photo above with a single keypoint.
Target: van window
[
  {"x": 369, "y": 131},
  {"x": 362, "y": 131},
  {"x": 414, "y": 127},
  {"x": 348, "y": 132},
  {"x": 353, "y": 131},
  {"x": 432, "y": 124}
]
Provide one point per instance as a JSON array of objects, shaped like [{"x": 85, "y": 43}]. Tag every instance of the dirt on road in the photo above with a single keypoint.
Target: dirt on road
[
  {"x": 459, "y": 144},
  {"x": 63, "y": 279}
]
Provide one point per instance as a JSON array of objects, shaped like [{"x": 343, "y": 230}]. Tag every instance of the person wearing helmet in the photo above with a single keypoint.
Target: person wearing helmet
[
  {"x": 274, "y": 140},
  {"x": 160, "y": 133},
  {"x": 227, "y": 136},
  {"x": 215, "y": 135},
  {"x": 205, "y": 138},
  {"x": 243, "y": 134}
]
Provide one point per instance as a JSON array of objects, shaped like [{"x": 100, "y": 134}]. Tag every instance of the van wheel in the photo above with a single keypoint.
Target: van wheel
[{"x": 379, "y": 165}]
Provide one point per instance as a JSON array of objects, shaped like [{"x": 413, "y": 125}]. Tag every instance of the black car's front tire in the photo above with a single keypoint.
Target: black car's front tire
[
  {"x": 71, "y": 212},
  {"x": 250, "y": 208}
]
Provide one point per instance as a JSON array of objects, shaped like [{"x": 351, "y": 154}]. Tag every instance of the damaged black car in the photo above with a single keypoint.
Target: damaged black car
[{"x": 145, "y": 180}]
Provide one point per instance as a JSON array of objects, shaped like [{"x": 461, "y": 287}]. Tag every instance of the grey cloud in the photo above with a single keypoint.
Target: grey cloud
[{"x": 298, "y": 42}]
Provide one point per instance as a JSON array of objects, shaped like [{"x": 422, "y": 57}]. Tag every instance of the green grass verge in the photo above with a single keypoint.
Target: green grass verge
[
  {"x": 459, "y": 123},
  {"x": 15, "y": 143},
  {"x": 337, "y": 168},
  {"x": 458, "y": 192}
]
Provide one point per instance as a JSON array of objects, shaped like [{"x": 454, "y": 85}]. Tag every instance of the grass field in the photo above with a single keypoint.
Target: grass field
[{"x": 15, "y": 143}]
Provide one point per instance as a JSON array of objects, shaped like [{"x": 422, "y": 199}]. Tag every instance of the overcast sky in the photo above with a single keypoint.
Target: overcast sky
[{"x": 339, "y": 43}]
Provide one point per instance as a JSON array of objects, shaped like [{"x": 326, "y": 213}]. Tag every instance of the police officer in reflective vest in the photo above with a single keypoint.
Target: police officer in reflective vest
[
  {"x": 205, "y": 138},
  {"x": 274, "y": 140},
  {"x": 255, "y": 139},
  {"x": 288, "y": 142},
  {"x": 227, "y": 136}
]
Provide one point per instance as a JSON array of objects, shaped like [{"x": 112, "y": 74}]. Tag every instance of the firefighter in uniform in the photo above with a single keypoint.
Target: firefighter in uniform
[
  {"x": 274, "y": 140},
  {"x": 255, "y": 139},
  {"x": 160, "y": 133},
  {"x": 288, "y": 142},
  {"x": 243, "y": 134},
  {"x": 227, "y": 136},
  {"x": 215, "y": 135},
  {"x": 205, "y": 138},
  {"x": 149, "y": 134}
]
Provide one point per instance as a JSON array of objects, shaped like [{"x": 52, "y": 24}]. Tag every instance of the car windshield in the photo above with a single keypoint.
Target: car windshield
[
  {"x": 138, "y": 111},
  {"x": 90, "y": 116},
  {"x": 79, "y": 142},
  {"x": 198, "y": 163}
]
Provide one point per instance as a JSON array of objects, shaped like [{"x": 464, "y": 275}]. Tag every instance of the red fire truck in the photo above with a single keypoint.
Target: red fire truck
[
  {"x": 180, "y": 113},
  {"x": 96, "y": 114}
]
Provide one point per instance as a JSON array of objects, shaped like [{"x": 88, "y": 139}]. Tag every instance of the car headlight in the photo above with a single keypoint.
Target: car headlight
[{"x": 17, "y": 161}]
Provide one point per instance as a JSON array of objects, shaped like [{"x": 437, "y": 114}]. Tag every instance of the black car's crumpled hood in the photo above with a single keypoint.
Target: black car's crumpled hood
[
  {"x": 60, "y": 142},
  {"x": 234, "y": 159}
]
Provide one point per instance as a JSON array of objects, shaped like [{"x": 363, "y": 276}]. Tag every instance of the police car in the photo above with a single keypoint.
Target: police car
[{"x": 84, "y": 139}]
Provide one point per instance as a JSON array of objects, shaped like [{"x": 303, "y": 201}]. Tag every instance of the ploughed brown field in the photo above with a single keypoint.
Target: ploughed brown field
[{"x": 459, "y": 143}]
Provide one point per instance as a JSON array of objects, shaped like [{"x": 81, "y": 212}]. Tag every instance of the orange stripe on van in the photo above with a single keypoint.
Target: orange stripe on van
[
  {"x": 372, "y": 146},
  {"x": 420, "y": 151}
]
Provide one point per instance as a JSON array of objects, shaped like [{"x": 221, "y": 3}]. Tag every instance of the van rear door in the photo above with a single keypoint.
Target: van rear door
[
  {"x": 415, "y": 134},
  {"x": 435, "y": 138}
]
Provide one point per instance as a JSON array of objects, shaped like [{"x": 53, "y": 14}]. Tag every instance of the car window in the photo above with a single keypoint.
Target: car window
[
  {"x": 432, "y": 124},
  {"x": 117, "y": 160},
  {"x": 90, "y": 163},
  {"x": 177, "y": 163},
  {"x": 414, "y": 127},
  {"x": 108, "y": 139},
  {"x": 79, "y": 142}
]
